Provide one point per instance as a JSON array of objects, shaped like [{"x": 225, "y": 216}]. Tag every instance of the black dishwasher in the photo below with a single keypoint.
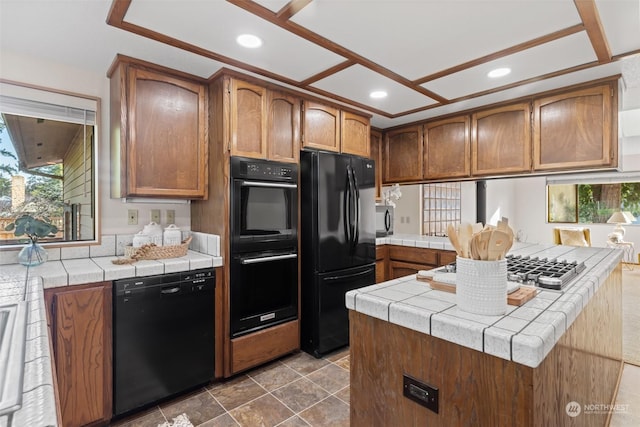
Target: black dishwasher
[{"x": 163, "y": 336}]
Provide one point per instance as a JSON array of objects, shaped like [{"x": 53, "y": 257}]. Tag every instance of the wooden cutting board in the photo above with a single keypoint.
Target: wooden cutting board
[{"x": 519, "y": 297}]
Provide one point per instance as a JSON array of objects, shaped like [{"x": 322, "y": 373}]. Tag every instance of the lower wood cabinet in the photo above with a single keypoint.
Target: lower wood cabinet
[
  {"x": 80, "y": 319},
  {"x": 398, "y": 261}
]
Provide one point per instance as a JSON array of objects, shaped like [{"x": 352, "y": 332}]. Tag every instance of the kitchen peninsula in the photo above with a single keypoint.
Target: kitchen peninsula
[{"x": 523, "y": 368}]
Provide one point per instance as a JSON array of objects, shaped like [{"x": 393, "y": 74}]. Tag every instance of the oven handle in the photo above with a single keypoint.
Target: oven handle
[
  {"x": 245, "y": 261},
  {"x": 267, "y": 184}
]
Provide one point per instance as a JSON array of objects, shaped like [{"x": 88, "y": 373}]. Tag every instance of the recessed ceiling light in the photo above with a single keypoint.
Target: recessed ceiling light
[
  {"x": 377, "y": 94},
  {"x": 249, "y": 40},
  {"x": 499, "y": 72}
]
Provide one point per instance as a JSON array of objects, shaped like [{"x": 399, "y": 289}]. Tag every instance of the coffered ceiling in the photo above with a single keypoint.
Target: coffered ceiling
[{"x": 431, "y": 57}]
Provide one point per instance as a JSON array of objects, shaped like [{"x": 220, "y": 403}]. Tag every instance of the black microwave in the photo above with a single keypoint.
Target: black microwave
[{"x": 384, "y": 220}]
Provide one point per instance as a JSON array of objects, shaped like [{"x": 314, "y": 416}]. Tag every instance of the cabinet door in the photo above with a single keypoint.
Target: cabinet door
[
  {"x": 248, "y": 120},
  {"x": 167, "y": 147},
  {"x": 501, "y": 140},
  {"x": 321, "y": 127},
  {"x": 376, "y": 155},
  {"x": 446, "y": 148},
  {"x": 575, "y": 129},
  {"x": 403, "y": 155},
  {"x": 355, "y": 134},
  {"x": 283, "y": 127},
  {"x": 81, "y": 324}
]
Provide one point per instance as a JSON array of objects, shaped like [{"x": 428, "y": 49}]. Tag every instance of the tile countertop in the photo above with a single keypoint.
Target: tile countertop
[
  {"x": 416, "y": 240},
  {"x": 525, "y": 334},
  {"x": 79, "y": 271},
  {"x": 38, "y": 399}
]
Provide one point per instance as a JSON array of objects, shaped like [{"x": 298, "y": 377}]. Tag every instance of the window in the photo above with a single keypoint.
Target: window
[
  {"x": 592, "y": 203},
  {"x": 47, "y": 146},
  {"x": 441, "y": 206}
]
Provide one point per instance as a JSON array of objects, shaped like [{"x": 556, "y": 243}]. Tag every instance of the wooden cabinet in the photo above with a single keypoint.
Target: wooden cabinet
[
  {"x": 81, "y": 334},
  {"x": 382, "y": 253},
  {"x": 405, "y": 260},
  {"x": 263, "y": 124},
  {"x": 375, "y": 154},
  {"x": 283, "y": 127},
  {"x": 394, "y": 261},
  {"x": 576, "y": 129},
  {"x": 159, "y": 134},
  {"x": 403, "y": 155},
  {"x": 248, "y": 124},
  {"x": 321, "y": 128},
  {"x": 501, "y": 140},
  {"x": 446, "y": 148},
  {"x": 355, "y": 134}
]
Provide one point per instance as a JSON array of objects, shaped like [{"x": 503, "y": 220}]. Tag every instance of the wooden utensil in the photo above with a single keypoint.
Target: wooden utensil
[
  {"x": 465, "y": 238},
  {"x": 477, "y": 227},
  {"x": 453, "y": 238},
  {"x": 498, "y": 245},
  {"x": 483, "y": 244}
]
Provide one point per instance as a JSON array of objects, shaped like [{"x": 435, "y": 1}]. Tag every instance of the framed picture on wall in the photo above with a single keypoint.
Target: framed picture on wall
[{"x": 562, "y": 202}]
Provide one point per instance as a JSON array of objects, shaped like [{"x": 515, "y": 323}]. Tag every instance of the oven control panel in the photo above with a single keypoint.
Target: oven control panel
[
  {"x": 244, "y": 168},
  {"x": 256, "y": 170}
]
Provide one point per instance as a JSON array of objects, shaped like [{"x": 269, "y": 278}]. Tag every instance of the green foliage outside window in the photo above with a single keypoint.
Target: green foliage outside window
[{"x": 597, "y": 202}]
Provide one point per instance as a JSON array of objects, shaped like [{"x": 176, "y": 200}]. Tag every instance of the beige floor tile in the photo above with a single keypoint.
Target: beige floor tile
[
  {"x": 294, "y": 421},
  {"x": 331, "y": 378},
  {"x": 238, "y": 391},
  {"x": 300, "y": 394},
  {"x": 344, "y": 394},
  {"x": 274, "y": 376},
  {"x": 198, "y": 407},
  {"x": 224, "y": 420},
  {"x": 338, "y": 354},
  {"x": 304, "y": 363},
  {"x": 149, "y": 417},
  {"x": 330, "y": 412},
  {"x": 266, "y": 411}
]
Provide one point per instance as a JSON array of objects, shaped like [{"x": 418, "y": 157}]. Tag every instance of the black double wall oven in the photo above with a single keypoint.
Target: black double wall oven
[{"x": 264, "y": 244}]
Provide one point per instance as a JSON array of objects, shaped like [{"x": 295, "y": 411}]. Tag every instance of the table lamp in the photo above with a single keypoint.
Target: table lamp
[{"x": 619, "y": 218}]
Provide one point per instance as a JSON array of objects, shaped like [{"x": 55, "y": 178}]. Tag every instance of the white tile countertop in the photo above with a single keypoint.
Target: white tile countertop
[
  {"x": 525, "y": 334},
  {"x": 416, "y": 240},
  {"x": 38, "y": 406}
]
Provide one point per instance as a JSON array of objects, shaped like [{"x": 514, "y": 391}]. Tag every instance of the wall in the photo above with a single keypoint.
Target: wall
[
  {"x": 36, "y": 71},
  {"x": 408, "y": 212},
  {"x": 77, "y": 181}
]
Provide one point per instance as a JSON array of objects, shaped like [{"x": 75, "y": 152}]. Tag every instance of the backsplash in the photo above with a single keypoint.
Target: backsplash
[{"x": 113, "y": 245}]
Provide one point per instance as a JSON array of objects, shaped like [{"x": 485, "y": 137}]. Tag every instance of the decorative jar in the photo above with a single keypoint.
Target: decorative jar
[
  {"x": 481, "y": 286},
  {"x": 32, "y": 255}
]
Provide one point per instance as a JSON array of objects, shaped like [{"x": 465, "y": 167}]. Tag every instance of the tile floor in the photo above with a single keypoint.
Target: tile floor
[{"x": 297, "y": 390}]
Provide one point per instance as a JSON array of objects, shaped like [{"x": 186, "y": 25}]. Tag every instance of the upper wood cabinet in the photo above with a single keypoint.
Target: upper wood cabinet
[
  {"x": 283, "y": 127},
  {"x": 264, "y": 124},
  {"x": 403, "y": 155},
  {"x": 576, "y": 129},
  {"x": 248, "y": 126},
  {"x": 446, "y": 148},
  {"x": 375, "y": 154},
  {"x": 159, "y": 140},
  {"x": 81, "y": 336},
  {"x": 321, "y": 127},
  {"x": 501, "y": 140},
  {"x": 355, "y": 133}
]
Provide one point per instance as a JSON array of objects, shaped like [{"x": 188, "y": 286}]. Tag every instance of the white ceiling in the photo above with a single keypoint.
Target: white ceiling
[{"x": 392, "y": 45}]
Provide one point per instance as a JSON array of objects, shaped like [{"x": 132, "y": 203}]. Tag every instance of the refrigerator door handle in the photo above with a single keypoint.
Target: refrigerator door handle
[
  {"x": 356, "y": 225},
  {"x": 346, "y": 208},
  {"x": 349, "y": 276}
]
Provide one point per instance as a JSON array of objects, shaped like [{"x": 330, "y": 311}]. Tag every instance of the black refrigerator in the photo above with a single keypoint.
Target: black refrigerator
[{"x": 337, "y": 193}]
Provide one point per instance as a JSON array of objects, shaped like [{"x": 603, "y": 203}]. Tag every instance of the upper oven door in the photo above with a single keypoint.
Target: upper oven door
[{"x": 263, "y": 213}]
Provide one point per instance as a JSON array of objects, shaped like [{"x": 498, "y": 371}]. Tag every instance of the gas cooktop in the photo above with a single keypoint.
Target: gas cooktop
[{"x": 542, "y": 272}]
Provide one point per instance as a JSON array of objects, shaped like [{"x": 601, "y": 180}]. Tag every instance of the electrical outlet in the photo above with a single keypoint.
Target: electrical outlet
[
  {"x": 171, "y": 216},
  {"x": 132, "y": 217},
  {"x": 155, "y": 216}
]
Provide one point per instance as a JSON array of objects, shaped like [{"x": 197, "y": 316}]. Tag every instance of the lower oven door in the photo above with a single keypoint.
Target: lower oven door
[{"x": 264, "y": 290}]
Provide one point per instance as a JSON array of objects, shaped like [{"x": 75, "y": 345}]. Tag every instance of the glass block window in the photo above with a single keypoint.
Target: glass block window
[{"x": 441, "y": 205}]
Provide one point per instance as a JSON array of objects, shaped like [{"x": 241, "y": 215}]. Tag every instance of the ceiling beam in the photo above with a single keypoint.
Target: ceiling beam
[
  {"x": 291, "y": 8},
  {"x": 328, "y": 72},
  {"x": 591, "y": 20}
]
